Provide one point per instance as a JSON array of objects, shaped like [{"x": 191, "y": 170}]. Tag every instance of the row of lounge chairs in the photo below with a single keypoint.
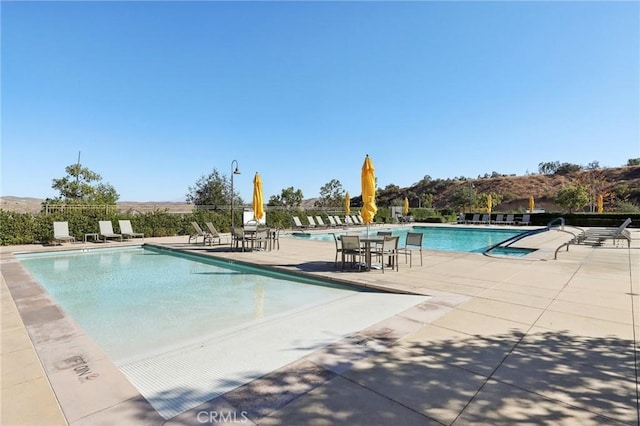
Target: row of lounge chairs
[
  {"x": 334, "y": 222},
  {"x": 499, "y": 219},
  {"x": 61, "y": 231}
]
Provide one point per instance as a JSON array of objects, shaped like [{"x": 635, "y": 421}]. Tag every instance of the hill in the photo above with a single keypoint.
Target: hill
[{"x": 624, "y": 182}]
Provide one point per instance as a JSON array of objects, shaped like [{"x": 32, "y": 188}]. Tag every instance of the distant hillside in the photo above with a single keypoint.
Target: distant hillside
[{"x": 515, "y": 191}]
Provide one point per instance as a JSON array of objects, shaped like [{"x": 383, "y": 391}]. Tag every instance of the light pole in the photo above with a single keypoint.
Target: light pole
[{"x": 235, "y": 171}]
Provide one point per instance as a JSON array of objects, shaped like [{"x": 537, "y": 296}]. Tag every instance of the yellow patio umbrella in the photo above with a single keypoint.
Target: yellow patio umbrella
[
  {"x": 347, "y": 203},
  {"x": 531, "y": 204},
  {"x": 405, "y": 207},
  {"x": 258, "y": 205},
  {"x": 600, "y": 203},
  {"x": 489, "y": 203},
  {"x": 369, "y": 208}
]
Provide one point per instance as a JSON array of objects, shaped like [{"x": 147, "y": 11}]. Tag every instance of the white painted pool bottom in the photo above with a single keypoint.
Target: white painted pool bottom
[{"x": 183, "y": 378}]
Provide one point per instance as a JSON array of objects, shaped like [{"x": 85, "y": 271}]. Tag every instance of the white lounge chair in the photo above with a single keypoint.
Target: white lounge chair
[
  {"x": 320, "y": 222},
  {"x": 61, "y": 232},
  {"x": 199, "y": 233},
  {"x": 339, "y": 221},
  {"x": 597, "y": 236},
  {"x": 215, "y": 235},
  {"x": 298, "y": 224},
  {"x": 312, "y": 223},
  {"x": 106, "y": 231},
  {"x": 127, "y": 231}
]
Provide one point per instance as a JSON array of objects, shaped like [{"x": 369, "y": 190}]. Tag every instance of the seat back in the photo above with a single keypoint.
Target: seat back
[
  {"x": 350, "y": 243},
  {"x": 212, "y": 229},
  {"x": 499, "y": 217},
  {"x": 106, "y": 228},
  {"x": 414, "y": 239},
  {"x": 319, "y": 221},
  {"x": 381, "y": 233},
  {"x": 197, "y": 228},
  {"x": 623, "y": 226},
  {"x": 311, "y": 221},
  {"x": 296, "y": 220},
  {"x": 60, "y": 229},
  {"x": 390, "y": 243},
  {"x": 125, "y": 226}
]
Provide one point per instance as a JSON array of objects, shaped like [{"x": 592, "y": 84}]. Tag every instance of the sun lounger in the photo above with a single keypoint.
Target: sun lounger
[
  {"x": 526, "y": 220},
  {"x": 320, "y": 222},
  {"x": 339, "y": 222},
  {"x": 198, "y": 232},
  {"x": 106, "y": 231},
  {"x": 127, "y": 230},
  {"x": 298, "y": 224},
  {"x": 499, "y": 220},
  {"x": 475, "y": 219},
  {"x": 61, "y": 232},
  {"x": 214, "y": 233},
  {"x": 509, "y": 220},
  {"x": 597, "y": 236}
]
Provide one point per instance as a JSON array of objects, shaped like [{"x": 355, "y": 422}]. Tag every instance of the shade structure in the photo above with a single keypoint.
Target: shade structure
[
  {"x": 405, "y": 207},
  {"x": 369, "y": 208},
  {"x": 258, "y": 205},
  {"x": 600, "y": 203},
  {"x": 489, "y": 203},
  {"x": 531, "y": 204},
  {"x": 347, "y": 203}
]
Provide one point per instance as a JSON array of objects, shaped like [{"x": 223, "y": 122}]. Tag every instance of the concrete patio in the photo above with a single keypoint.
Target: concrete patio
[{"x": 503, "y": 341}]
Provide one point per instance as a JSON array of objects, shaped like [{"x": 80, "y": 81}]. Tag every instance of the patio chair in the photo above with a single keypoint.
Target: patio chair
[
  {"x": 198, "y": 232},
  {"x": 106, "y": 230},
  {"x": 351, "y": 249},
  {"x": 260, "y": 240},
  {"x": 237, "y": 238},
  {"x": 461, "y": 219},
  {"x": 61, "y": 232},
  {"x": 213, "y": 232},
  {"x": 127, "y": 230},
  {"x": 338, "y": 243},
  {"x": 526, "y": 220},
  {"x": 388, "y": 250},
  {"x": 475, "y": 219},
  {"x": 412, "y": 244}
]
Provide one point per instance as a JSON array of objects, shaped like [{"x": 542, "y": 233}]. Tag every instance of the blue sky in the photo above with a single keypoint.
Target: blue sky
[{"x": 157, "y": 94}]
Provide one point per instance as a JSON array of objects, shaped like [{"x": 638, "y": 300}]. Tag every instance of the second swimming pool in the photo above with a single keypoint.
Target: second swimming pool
[{"x": 471, "y": 240}]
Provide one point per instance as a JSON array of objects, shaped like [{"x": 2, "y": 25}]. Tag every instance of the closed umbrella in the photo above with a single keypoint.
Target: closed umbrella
[
  {"x": 347, "y": 203},
  {"x": 489, "y": 203},
  {"x": 258, "y": 205},
  {"x": 531, "y": 204},
  {"x": 369, "y": 208},
  {"x": 405, "y": 208},
  {"x": 600, "y": 203}
]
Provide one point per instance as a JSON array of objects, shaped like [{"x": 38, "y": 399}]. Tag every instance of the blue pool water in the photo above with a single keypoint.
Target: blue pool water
[
  {"x": 471, "y": 240},
  {"x": 133, "y": 301}
]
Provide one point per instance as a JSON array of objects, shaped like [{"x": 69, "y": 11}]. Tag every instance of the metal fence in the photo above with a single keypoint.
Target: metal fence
[{"x": 61, "y": 208}]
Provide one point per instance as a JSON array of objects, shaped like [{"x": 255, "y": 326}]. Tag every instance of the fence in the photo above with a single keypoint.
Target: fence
[{"x": 61, "y": 208}]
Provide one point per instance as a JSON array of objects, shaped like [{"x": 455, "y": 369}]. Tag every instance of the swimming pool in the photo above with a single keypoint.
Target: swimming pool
[
  {"x": 471, "y": 240},
  {"x": 178, "y": 321}
]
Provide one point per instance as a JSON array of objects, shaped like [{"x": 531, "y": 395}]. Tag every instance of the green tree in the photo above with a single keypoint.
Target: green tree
[
  {"x": 331, "y": 194},
  {"x": 288, "y": 198},
  {"x": 212, "y": 190},
  {"x": 633, "y": 162},
  {"x": 464, "y": 197},
  {"x": 82, "y": 185},
  {"x": 573, "y": 197}
]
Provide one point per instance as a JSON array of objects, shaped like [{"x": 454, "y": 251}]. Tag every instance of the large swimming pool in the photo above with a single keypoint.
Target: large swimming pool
[
  {"x": 178, "y": 321},
  {"x": 471, "y": 240}
]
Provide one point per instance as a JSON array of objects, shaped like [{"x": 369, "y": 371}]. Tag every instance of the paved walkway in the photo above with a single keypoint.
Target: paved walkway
[{"x": 502, "y": 341}]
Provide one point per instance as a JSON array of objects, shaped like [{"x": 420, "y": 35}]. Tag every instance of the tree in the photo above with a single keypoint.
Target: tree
[
  {"x": 82, "y": 185},
  {"x": 573, "y": 197},
  {"x": 464, "y": 197},
  {"x": 288, "y": 198},
  {"x": 633, "y": 162},
  {"x": 331, "y": 194},
  {"x": 212, "y": 190}
]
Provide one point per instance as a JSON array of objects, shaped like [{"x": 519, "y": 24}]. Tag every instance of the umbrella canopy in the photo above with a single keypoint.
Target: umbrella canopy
[
  {"x": 405, "y": 207},
  {"x": 600, "y": 203},
  {"x": 369, "y": 208},
  {"x": 347, "y": 203},
  {"x": 531, "y": 204},
  {"x": 258, "y": 205},
  {"x": 489, "y": 203}
]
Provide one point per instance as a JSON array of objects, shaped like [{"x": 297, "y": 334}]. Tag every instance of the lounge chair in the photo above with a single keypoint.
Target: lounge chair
[
  {"x": 198, "y": 232},
  {"x": 499, "y": 220},
  {"x": 339, "y": 222},
  {"x": 413, "y": 243},
  {"x": 299, "y": 225},
  {"x": 461, "y": 219},
  {"x": 475, "y": 220},
  {"x": 509, "y": 220},
  {"x": 312, "y": 223},
  {"x": 526, "y": 220},
  {"x": 597, "y": 236},
  {"x": 127, "y": 231},
  {"x": 320, "y": 222},
  {"x": 486, "y": 219},
  {"x": 332, "y": 221},
  {"x": 348, "y": 220},
  {"x": 213, "y": 232},
  {"x": 106, "y": 231},
  {"x": 61, "y": 232}
]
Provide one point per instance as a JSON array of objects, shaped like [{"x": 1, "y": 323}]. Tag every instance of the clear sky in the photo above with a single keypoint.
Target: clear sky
[{"x": 157, "y": 94}]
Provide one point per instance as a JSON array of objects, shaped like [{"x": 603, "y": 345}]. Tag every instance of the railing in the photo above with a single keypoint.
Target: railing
[
  {"x": 508, "y": 242},
  {"x": 61, "y": 208}
]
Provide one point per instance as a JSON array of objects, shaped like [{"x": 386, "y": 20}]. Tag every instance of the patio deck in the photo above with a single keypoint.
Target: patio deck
[{"x": 503, "y": 341}]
